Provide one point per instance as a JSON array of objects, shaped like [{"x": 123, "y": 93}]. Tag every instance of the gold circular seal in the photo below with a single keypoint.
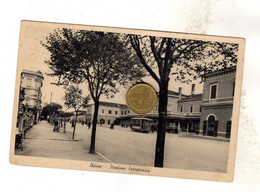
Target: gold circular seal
[{"x": 141, "y": 98}]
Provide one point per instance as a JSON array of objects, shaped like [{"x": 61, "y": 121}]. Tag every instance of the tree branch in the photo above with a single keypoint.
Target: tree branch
[
  {"x": 156, "y": 56},
  {"x": 136, "y": 45}
]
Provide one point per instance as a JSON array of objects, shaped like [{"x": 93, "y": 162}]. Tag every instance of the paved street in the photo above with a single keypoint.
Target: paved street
[{"x": 123, "y": 146}]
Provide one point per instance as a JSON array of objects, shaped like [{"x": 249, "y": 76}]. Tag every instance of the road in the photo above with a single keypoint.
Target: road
[{"x": 123, "y": 146}]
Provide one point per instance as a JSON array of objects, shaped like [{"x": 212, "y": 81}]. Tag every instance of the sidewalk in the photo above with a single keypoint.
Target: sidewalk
[
  {"x": 41, "y": 141},
  {"x": 199, "y": 136}
]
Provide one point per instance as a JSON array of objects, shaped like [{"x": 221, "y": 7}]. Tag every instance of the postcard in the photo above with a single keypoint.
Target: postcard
[{"x": 127, "y": 101}]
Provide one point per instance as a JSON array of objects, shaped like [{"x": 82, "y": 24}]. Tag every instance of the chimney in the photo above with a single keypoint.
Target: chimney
[
  {"x": 192, "y": 89},
  {"x": 180, "y": 92}
]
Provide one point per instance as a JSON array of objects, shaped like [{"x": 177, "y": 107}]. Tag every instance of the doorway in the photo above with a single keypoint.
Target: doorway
[{"x": 212, "y": 126}]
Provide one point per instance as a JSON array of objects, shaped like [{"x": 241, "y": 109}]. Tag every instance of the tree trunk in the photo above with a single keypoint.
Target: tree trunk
[
  {"x": 73, "y": 134},
  {"x": 94, "y": 125},
  {"x": 64, "y": 125},
  {"x": 162, "y": 123}
]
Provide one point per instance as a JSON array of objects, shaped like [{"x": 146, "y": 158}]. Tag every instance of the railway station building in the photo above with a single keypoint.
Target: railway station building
[
  {"x": 207, "y": 113},
  {"x": 217, "y": 102}
]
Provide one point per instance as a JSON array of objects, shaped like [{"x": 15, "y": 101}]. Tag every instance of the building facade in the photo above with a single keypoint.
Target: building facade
[
  {"x": 31, "y": 83},
  {"x": 107, "y": 112},
  {"x": 29, "y": 106},
  {"x": 190, "y": 110},
  {"x": 208, "y": 113},
  {"x": 217, "y": 102}
]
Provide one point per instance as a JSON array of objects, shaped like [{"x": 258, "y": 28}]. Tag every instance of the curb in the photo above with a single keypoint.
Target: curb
[
  {"x": 207, "y": 138},
  {"x": 71, "y": 136},
  {"x": 104, "y": 157}
]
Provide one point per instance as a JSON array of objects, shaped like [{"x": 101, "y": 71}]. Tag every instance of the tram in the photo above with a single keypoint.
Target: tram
[{"x": 141, "y": 124}]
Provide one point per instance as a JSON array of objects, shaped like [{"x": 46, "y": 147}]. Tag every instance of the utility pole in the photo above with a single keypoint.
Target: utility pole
[{"x": 51, "y": 98}]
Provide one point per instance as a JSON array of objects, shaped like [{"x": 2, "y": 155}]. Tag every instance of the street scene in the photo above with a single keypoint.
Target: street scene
[
  {"x": 74, "y": 104},
  {"x": 182, "y": 151}
]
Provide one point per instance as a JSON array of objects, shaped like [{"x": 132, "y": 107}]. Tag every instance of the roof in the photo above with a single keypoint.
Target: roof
[
  {"x": 221, "y": 72},
  {"x": 82, "y": 112},
  {"x": 37, "y": 73},
  {"x": 142, "y": 118},
  {"x": 174, "y": 93},
  {"x": 192, "y": 97},
  {"x": 103, "y": 103}
]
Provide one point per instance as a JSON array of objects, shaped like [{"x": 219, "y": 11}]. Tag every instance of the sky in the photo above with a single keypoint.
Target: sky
[{"x": 32, "y": 54}]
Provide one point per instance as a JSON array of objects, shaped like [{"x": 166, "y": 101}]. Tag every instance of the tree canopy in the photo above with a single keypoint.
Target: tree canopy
[
  {"x": 101, "y": 59},
  {"x": 74, "y": 99},
  {"x": 50, "y": 108},
  {"x": 182, "y": 59}
]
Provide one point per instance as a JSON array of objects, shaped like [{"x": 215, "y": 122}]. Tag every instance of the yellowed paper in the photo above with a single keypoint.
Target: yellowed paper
[{"x": 202, "y": 118}]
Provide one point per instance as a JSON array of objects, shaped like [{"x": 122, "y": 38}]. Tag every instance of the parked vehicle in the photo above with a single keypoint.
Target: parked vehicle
[
  {"x": 141, "y": 124},
  {"x": 172, "y": 128}
]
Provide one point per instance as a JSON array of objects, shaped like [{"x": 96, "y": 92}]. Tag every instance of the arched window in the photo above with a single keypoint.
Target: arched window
[{"x": 211, "y": 118}]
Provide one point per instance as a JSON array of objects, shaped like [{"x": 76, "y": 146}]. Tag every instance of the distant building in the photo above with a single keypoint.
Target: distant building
[
  {"x": 190, "y": 109},
  {"x": 81, "y": 117},
  {"x": 107, "y": 112},
  {"x": 31, "y": 83}
]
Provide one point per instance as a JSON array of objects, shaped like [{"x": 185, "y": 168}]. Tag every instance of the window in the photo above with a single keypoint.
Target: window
[
  {"x": 200, "y": 109},
  {"x": 103, "y": 111},
  {"x": 108, "y": 121},
  {"x": 109, "y": 112},
  {"x": 191, "y": 108},
  {"x": 29, "y": 82},
  {"x": 116, "y": 112},
  {"x": 122, "y": 113},
  {"x": 125, "y": 112},
  {"x": 213, "y": 91},
  {"x": 128, "y": 111},
  {"x": 181, "y": 109}
]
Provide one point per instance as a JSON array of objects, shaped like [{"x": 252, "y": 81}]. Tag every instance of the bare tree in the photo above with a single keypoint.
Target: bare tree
[
  {"x": 74, "y": 99},
  {"x": 180, "y": 59}
]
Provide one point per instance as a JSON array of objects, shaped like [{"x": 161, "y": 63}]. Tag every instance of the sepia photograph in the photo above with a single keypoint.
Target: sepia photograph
[{"x": 127, "y": 101}]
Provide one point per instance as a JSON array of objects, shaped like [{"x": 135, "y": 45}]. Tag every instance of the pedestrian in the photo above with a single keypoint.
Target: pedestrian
[
  {"x": 72, "y": 124},
  {"x": 56, "y": 126},
  {"x": 112, "y": 126},
  {"x": 64, "y": 125},
  {"x": 89, "y": 124},
  {"x": 153, "y": 127},
  {"x": 60, "y": 122}
]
